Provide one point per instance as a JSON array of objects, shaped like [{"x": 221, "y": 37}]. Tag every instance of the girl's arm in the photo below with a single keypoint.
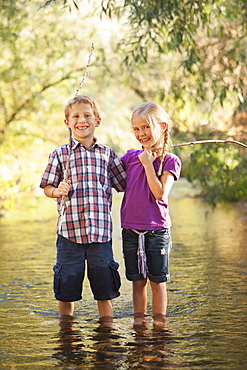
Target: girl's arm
[{"x": 159, "y": 187}]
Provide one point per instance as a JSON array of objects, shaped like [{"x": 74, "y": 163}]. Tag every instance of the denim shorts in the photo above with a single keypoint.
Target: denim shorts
[
  {"x": 69, "y": 270},
  {"x": 158, "y": 244}
]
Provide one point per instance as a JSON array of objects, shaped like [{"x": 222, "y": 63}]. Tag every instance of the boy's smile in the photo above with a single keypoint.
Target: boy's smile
[{"x": 82, "y": 122}]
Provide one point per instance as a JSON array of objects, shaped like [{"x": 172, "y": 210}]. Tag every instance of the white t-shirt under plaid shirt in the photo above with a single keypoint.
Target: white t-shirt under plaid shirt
[{"x": 93, "y": 172}]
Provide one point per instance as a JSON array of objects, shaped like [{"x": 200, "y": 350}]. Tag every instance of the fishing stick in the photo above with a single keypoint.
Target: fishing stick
[
  {"x": 86, "y": 69},
  {"x": 209, "y": 141},
  {"x": 66, "y": 172},
  {"x": 69, "y": 129},
  {"x": 198, "y": 142}
]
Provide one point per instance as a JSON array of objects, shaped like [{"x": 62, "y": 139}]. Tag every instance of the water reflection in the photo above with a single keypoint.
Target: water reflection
[
  {"x": 69, "y": 350},
  {"x": 153, "y": 349},
  {"x": 146, "y": 348},
  {"x": 207, "y": 297}
]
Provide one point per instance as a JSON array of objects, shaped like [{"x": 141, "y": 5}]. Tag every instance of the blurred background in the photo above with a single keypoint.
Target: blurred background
[{"x": 188, "y": 56}]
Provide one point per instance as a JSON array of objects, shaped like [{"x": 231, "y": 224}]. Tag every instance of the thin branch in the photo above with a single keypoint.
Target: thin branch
[
  {"x": 209, "y": 141},
  {"x": 35, "y": 94},
  {"x": 85, "y": 72},
  {"x": 66, "y": 171}
]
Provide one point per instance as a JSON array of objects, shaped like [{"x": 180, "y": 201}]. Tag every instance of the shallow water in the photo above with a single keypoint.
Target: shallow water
[{"x": 207, "y": 296}]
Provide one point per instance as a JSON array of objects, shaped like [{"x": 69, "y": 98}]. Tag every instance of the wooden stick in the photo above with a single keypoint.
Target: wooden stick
[
  {"x": 66, "y": 174},
  {"x": 209, "y": 141},
  {"x": 66, "y": 171},
  {"x": 85, "y": 72},
  {"x": 69, "y": 130}
]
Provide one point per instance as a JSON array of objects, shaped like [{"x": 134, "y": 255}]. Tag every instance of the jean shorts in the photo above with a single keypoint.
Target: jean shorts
[
  {"x": 158, "y": 245},
  {"x": 69, "y": 270}
]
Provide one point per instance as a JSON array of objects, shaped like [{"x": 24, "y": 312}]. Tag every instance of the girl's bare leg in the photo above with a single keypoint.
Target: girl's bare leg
[
  {"x": 140, "y": 296},
  {"x": 159, "y": 300},
  {"x": 65, "y": 308},
  {"x": 139, "y": 289}
]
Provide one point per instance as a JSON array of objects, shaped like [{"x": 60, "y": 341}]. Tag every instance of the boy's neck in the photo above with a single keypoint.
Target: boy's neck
[{"x": 87, "y": 143}]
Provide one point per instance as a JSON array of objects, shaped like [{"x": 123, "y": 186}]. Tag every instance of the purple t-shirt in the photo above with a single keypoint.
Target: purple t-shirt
[{"x": 140, "y": 209}]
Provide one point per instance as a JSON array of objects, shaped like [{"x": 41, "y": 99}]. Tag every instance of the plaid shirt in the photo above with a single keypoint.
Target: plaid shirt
[{"x": 93, "y": 172}]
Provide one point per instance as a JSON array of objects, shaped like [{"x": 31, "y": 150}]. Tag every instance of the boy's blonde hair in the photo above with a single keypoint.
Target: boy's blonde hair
[{"x": 86, "y": 99}]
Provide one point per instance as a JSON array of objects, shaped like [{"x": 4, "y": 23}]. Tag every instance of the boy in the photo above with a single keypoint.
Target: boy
[{"x": 85, "y": 226}]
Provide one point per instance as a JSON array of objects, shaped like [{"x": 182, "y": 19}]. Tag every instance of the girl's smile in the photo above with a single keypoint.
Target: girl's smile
[{"x": 143, "y": 133}]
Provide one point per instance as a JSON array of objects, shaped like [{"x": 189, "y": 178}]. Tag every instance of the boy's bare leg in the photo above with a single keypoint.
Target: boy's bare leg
[
  {"x": 65, "y": 308},
  {"x": 105, "y": 308}
]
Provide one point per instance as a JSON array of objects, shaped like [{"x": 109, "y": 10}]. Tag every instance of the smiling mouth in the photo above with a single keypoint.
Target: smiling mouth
[
  {"x": 81, "y": 128},
  {"x": 143, "y": 141}
]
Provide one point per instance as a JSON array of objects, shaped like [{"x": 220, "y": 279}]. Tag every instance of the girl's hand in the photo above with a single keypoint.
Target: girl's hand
[
  {"x": 147, "y": 157},
  {"x": 63, "y": 188}
]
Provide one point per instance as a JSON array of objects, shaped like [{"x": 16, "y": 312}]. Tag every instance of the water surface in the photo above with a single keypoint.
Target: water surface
[{"x": 207, "y": 296}]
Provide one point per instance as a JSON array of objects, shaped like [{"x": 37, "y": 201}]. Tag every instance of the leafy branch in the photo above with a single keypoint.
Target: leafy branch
[{"x": 25, "y": 103}]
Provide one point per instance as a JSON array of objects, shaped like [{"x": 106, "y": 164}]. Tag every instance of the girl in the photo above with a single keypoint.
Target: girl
[{"x": 145, "y": 219}]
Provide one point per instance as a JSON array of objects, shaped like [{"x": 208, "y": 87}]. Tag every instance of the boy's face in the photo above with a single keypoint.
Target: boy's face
[{"x": 82, "y": 122}]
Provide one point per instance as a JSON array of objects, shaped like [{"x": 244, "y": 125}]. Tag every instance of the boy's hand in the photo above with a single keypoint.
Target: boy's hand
[
  {"x": 147, "y": 157},
  {"x": 63, "y": 188}
]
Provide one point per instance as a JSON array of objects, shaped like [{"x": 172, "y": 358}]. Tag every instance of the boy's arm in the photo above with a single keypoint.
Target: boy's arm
[
  {"x": 117, "y": 174},
  {"x": 62, "y": 190},
  {"x": 51, "y": 180}
]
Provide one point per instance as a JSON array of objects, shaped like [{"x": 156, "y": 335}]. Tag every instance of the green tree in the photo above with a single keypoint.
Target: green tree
[
  {"x": 210, "y": 37},
  {"x": 43, "y": 58},
  {"x": 188, "y": 56},
  {"x": 221, "y": 173}
]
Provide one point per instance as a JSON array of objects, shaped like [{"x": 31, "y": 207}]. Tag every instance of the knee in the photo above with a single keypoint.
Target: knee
[
  {"x": 105, "y": 281},
  {"x": 158, "y": 287},
  {"x": 140, "y": 283}
]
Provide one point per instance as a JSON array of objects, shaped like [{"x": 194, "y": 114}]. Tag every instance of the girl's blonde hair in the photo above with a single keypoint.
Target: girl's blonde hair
[{"x": 154, "y": 115}]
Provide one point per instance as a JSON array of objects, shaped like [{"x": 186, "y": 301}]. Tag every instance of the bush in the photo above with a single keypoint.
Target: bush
[{"x": 221, "y": 172}]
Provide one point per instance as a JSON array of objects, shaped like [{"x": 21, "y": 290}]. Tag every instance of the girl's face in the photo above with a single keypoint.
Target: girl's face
[{"x": 145, "y": 134}]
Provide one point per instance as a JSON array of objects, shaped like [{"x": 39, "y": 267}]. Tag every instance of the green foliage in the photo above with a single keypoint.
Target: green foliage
[
  {"x": 41, "y": 69},
  {"x": 195, "y": 62},
  {"x": 209, "y": 37},
  {"x": 220, "y": 171}
]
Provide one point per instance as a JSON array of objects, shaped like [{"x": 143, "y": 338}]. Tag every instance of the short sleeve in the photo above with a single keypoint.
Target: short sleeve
[{"x": 172, "y": 163}]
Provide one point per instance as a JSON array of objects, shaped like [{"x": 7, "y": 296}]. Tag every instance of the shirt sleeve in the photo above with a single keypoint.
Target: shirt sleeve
[
  {"x": 117, "y": 173},
  {"x": 53, "y": 173},
  {"x": 173, "y": 164}
]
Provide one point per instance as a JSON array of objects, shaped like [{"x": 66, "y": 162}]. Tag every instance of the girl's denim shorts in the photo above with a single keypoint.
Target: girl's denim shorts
[
  {"x": 69, "y": 270},
  {"x": 158, "y": 245}
]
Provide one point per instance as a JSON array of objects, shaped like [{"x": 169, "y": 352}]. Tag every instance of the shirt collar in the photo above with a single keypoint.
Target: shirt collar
[{"x": 76, "y": 143}]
